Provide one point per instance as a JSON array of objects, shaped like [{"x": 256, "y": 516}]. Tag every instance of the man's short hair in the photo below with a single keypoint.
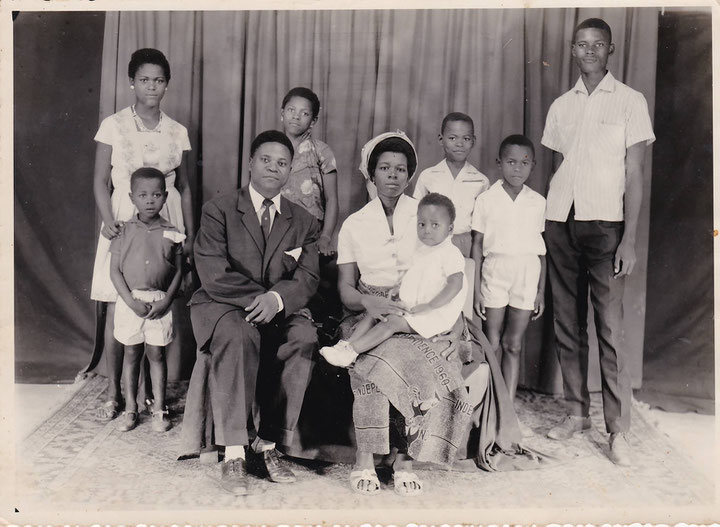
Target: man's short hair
[
  {"x": 594, "y": 23},
  {"x": 271, "y": 136}
]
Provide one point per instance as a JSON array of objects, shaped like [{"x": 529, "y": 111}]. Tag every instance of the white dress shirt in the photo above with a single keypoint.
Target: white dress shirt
[
  {"x": 462, "y": 190},
  {"x": 257, "y": 201},
  {"x": 510, "y": 227},
  {"x": 382, "y": 258},
  {"x": 593, "y": 133}
]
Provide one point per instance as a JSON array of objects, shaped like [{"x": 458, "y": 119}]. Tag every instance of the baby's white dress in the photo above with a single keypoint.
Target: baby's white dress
[{"x": 425, "y": 278}]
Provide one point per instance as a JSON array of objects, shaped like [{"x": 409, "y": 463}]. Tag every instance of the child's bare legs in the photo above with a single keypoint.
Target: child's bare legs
[
  {"x": 362, "y": 327},
  {"x": 505, "y": 334},
  {"x": 511, "y": 344},
  {"x": 366, "y": 336},
  {"x": 130, "y": 375},
  {"x": 379, "y": 333},
  {"x": 158, "y": 374},
  {"x": 114, "y": 352},
  {"x": 493, "y": 327}
]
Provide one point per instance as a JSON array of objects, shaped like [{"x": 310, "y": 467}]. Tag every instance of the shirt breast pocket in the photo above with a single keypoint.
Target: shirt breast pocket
[
  {"x": 611, "y": 137},
  {"x": 289, "y": 263}
]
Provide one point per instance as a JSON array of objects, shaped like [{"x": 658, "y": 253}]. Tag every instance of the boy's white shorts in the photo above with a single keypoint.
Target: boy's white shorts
[
  {"x": 131, "y": 329},
  {"x": 510, "y": 279}
]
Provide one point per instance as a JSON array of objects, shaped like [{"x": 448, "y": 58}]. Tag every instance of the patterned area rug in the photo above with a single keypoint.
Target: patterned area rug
[{"x": 74, "y": 461}]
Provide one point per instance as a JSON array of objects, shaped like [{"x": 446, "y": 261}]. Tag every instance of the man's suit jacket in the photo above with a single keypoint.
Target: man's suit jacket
[{"x": 235, "y": 264}]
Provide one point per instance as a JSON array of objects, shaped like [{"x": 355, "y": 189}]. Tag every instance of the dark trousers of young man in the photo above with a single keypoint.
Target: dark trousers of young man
[{"x": 581, "y": 256}]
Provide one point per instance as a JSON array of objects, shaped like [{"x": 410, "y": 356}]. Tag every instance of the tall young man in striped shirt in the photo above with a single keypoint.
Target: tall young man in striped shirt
[{"x": 598, "y": 131}]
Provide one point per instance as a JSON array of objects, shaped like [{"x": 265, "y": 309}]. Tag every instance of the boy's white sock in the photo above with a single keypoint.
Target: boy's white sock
[{"x": 234, "y": 452}]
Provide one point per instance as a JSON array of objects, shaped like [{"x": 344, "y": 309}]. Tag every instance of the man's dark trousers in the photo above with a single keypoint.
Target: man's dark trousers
[{"x": 581, "y": 256}]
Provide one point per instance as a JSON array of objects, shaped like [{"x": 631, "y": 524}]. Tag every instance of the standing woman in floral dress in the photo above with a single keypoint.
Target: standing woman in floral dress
[{"x": 141, "y": 135}]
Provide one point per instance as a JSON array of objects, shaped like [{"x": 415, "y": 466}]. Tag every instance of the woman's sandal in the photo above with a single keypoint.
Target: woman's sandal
[
  {"x": 403, "y": 481},
  {"x": 109, "y": 411},
  {"x": 369, "y": 475}
]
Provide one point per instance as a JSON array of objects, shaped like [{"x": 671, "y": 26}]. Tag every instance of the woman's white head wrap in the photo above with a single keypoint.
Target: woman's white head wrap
[{"x": 367, "y": 151}]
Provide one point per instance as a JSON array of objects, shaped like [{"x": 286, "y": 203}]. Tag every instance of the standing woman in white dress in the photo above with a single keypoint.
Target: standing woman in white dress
[{"x": 141, "y": 135}]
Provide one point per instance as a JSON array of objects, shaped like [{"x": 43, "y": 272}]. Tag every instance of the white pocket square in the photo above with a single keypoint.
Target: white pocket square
[
  {"x": 174, "y": 236},
  {"x": 294, "y": 253}
]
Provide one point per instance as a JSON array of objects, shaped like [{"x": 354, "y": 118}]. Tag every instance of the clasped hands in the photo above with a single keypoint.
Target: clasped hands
[{"x": 151, "y": 310}]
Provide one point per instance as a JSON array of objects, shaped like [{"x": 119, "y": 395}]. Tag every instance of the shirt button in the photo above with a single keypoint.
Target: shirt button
[
  {"x": 148, "y": 232},
  {"x": 394, "y": 255},
  {"x": 147, "y": 262}
]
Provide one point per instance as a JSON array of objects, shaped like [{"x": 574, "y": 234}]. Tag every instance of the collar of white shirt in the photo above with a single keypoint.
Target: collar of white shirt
[
  {"x": 606, "y": 84},
  {"x": 257, "y": 200},
  {"x": 497, "y": 187}
]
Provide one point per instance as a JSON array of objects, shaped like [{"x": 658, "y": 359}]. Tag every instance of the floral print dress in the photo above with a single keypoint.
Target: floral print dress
[{"x": 133, "y": 147}]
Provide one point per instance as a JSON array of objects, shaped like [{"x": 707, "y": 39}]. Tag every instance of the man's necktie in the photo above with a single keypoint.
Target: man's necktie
[{"x": 265, "y": 218}]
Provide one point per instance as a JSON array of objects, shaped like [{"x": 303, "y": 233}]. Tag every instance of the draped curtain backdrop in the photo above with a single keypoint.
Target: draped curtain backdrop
[{"x": 376, "y": 71}]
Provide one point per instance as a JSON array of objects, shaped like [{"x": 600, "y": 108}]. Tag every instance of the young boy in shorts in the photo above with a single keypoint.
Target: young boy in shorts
[
  {"x": 145, "y": 268},
  {"x": 454, "y": 177},
  {"x": 509, "y": 252}
]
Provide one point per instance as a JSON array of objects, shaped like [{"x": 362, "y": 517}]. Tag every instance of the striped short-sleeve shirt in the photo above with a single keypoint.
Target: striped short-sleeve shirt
[{"x": 593, "y": 132}]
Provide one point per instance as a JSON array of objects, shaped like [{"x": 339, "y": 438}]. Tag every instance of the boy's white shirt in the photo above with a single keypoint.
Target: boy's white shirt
[
  {"x": 510, "y": 227},
  {"x": 462, "y": 190}
]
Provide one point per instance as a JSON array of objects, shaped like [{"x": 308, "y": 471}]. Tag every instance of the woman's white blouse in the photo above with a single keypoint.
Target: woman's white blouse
[{"x": 382, "y": 258}]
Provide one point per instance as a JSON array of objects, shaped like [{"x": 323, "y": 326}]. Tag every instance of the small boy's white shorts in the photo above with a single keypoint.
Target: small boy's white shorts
[
  {"x": 131, "y": 329},
  {"x": 510, "y": 280}
]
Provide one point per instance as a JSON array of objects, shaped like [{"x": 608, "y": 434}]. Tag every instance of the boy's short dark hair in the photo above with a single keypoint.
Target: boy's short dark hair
[
  {"x": 396, "y": 145},
  {"x": 518, "y": 140},
  {"x": 457, "y": 116},
  {"x": 147, "y": 173},
  {"x": 271, "y": 136},
  {"x": 439, "y": 200},
  {"x": 148, "y": 56},
  {"x": 305, "y": 93},
  {"x": 593, "y": 23}
]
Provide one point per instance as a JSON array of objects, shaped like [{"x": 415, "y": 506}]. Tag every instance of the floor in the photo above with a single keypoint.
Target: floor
[{"x": 692, "y": 433}]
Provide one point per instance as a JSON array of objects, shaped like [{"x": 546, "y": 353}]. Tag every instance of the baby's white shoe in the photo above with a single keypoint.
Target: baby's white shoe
[{"x": 341, "y": 354}]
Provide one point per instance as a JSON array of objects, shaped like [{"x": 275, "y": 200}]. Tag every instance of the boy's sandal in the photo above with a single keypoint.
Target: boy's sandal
[
  {"x": 160, "y": 421},
  {"x": 108, "y": 411},
  {"x": 128, "y": 421},
  {"x": 372, "y": 486},
  {"x": 404, "y": 480}
]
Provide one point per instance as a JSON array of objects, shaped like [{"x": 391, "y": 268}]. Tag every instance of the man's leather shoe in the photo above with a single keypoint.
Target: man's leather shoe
[
  {"x": 268, "y": 463},
  {"x": 569, "y": 426},
  {"x": 234, "y": 477},
  {"x": 620, "y": 451}
]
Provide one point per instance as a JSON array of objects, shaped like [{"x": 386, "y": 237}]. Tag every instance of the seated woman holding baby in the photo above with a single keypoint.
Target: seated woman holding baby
[{"x": 421, "y": 391}]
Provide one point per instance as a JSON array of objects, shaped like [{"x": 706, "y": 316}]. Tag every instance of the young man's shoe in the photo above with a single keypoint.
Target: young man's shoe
[
  {"x": 569, "y": 427},
  {"x": 234, "y": 477},
  {"x": 268, "y": 464},
  {"x": 620, "y": 450}
]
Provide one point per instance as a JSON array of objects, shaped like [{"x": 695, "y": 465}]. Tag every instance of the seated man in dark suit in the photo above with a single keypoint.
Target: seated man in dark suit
[{"x": 257, "y": 260}]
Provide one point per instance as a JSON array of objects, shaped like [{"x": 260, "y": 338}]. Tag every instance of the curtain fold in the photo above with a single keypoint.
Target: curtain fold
[{"x": 376, "y": 71}]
